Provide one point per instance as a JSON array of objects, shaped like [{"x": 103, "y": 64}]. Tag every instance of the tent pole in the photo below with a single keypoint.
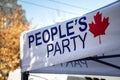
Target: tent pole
[{"x": 24, "y": 75}]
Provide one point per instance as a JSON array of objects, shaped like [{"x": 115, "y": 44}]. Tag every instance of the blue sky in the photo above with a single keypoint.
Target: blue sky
[{"x": 48, "y": 12}]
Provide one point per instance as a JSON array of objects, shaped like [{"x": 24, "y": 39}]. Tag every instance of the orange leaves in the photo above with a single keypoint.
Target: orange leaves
[{"x": 10, "y": 29}]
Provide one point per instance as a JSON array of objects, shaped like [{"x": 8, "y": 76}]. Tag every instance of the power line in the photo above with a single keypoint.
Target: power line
[
  {"x": 38, "y": 5},
  {"x": 59, "y": 2}
]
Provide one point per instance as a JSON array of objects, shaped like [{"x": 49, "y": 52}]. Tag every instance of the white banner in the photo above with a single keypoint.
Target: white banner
[
  {"x": 87, "y": 66},
  {"x": 94, "y": 33}
]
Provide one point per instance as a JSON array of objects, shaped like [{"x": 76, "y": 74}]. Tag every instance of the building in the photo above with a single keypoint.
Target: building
[{"x": 9, "y": 6}]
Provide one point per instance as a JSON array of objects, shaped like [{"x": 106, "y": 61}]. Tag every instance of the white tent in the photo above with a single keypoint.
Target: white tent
[{"x": 94, "y": 34}]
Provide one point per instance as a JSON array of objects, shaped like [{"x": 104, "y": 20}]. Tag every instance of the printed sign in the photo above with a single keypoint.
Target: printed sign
[{"x": 94, "y": 33}]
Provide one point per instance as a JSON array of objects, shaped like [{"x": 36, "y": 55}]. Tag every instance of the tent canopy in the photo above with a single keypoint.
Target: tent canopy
[{"x": 80, "y": 38}]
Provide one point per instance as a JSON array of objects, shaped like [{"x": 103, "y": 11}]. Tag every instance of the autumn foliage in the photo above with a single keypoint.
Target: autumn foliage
[{"x": 11, "y": 27}]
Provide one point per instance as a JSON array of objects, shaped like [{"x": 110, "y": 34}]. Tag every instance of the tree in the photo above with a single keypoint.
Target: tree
[{"x": 11, "y": 27}]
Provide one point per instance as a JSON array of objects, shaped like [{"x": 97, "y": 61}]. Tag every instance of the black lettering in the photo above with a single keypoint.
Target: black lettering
[
  {"x": 69, "y": 27},
  {"x": 53, "y": 32},
  {"x": 65, "y": 44},
  {"x": 77, "y": 62},
  {"x": 31, "y": 39},
  {"x": 60, "y": 33},
  {"x": 50, "y": 48},
  {"x": 74, "y": 37},
  {"x": 83, "y": 40},
  {"x": 84, "y": 62},
  {"x": 70, "y": 62},
  {"x": 57, "y": 48},
  {"x": 95, "y": 78},
  {"x": 88, "y": 78},
  {"x": 45, "y": 37},
  {"x": 82, "y": 23},
  {"x": 38, "y": 37}
]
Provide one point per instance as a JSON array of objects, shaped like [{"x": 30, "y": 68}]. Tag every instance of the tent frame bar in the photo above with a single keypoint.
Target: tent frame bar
[
  {"x": 106, "y": 63},
  {"x": 96, "y": 58}
]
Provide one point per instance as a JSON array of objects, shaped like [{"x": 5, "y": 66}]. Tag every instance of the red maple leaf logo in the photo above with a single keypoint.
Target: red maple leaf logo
[{"x": 99, "y": 26}]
